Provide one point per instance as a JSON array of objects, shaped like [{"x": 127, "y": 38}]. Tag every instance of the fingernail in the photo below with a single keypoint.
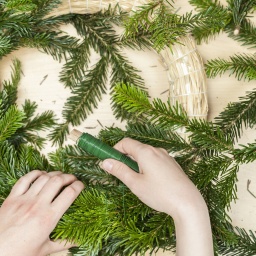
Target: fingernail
[{"x": 107, "y": 165}]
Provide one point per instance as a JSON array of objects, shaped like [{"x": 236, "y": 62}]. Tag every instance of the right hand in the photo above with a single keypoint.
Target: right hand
[
  {"x": 161, "y": 183},
  {"x": 163, "y": 186}
]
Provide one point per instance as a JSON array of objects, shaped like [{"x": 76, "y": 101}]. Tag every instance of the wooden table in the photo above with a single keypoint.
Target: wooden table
[{"x": 50, "y": 94}]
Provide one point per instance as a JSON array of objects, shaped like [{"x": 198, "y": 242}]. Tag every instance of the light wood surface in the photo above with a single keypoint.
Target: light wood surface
[{"x": 221, "y": 90}]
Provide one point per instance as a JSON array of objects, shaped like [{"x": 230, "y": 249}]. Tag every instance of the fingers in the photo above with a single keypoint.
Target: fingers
[
  {"x": 54, "y": 185},
  {"x": 64, "y": 200},
  {"x": 24, "y": 183},
  {"x": 121, "y": 171},
  {"x": 47, "y": 187},
  {"x": 40, "y": 182},
  {"x": 130, "y": 147}
]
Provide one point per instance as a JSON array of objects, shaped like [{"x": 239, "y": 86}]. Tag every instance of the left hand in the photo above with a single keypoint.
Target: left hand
[{"x": 32, "y": 210}]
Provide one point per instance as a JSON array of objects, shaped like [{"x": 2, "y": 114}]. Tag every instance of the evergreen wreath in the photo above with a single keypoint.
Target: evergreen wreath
[{"x": 99, "y": 221}]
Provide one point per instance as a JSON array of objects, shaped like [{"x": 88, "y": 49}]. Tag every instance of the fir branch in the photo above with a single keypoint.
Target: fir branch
[
  {"x": 93, "y": 214},
  {"x": 74, "y": 69},
  {"x": 206, "y": 135},
  {"x": 54, "y": 22},
  {"x": 240, "y": 10},
  {"x": 74, "y": 160},
  {"x": 9, "y": 92},
  {"x": 132, "y": 239},
  {"x": 6, "y": 45},
  {"x": 210, "y": 22},
  {"x": 84, "y": 99},
  {"x": 26, "y": 29},
  {"x": 15, "y": 74},
  {"x": 8, "y": 173},
  {"x": 59, "y": 133},
  {"x": 148, "y": 134},
  {"x": 139, "y": 41},
  {"x": 246, "y": 35},
  {"x": 226, "y": 185},
  {"x": 74, "y": 157},
  {"x": 201, "y": 5},
  {"x": 245, "y": 246},
  {"x": 238, "y": 114},
  {"x": 124, "y": 72},
  {"x": 113, "y": 15},
  {"x": 233, "y": 19},
  {"x": 135, "y": 101},
  {"x": 30, "y": 158},
  {"x": 99, "y": 35},
  {"x": 32, "y": 124},
  {"x": 159, "y": 23},
  {"x": 167, "y": 28},
  {"x": 57, "y": 159},
  {"x": 95, "y": 208},
  {"x": 111, "y": 135},
  {"x": 16, "y": 25},
  {"x": 242, "y": 66},
  {"x": 50, "y": 42},
  {"x": 20, "y": 5},
  {"x": 44, "y": 7},
  {"x": 246, "y": 153},
  {"x": 141, "y": 18},
  {"x": 29, "y": 108},
  {"x": 22, "y": 132},
  {"x": 40, "y": 122},
  {"x": 93, "y": 174},
  {"x": 10, "y": 122},
  {"x": 214, "y": 166},
  {"x": 14, "y": 163}
]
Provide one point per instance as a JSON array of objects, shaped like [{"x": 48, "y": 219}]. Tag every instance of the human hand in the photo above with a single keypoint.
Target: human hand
[
  {"x": 161, "y": 183},
  {"x": 32, "y": 210},
  {"x": 163, "y": 186}
]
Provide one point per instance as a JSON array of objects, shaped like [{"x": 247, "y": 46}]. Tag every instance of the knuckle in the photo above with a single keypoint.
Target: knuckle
[
  {"x": 149, "y": 151},
  {"x": 152, "y": 152},
  {"x": 119, "y": 168},
  {"x": 22, "y": 180},
  {"x": 163, "y": 150},
  {"x": 36, "y": 171},
  {"x": 72, "y": 191},
  {"x": 57, "y": 179},
  {"x": 44, "y": 177},
  {"x": 8, "y": 203},
  {"x": 126, "y": 139},
  {"x": 25, "y": 178},
  {"x": 71, "y": 176}
]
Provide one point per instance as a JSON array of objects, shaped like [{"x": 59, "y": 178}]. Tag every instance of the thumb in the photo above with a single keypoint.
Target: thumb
[{"x": 120, "y": 170}]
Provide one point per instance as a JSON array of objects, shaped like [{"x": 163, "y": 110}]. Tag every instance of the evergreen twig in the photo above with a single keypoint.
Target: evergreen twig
[
  {"x": 242, "y": 66},
  {"x": 238, "y": 116}
]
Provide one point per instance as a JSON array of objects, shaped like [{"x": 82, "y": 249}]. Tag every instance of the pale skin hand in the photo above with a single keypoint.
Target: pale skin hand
[
  {"x": 32, "y": 210},
  {"x": 163, "y": 186}
]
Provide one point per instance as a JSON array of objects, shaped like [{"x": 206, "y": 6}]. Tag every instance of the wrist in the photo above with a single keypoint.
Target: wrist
[
  {"x": 193, "y": 209},
  {"x": 193, "y": 229}
]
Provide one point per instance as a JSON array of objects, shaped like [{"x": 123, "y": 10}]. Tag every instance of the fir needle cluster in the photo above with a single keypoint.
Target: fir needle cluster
[{"x": 235, "y": 20}]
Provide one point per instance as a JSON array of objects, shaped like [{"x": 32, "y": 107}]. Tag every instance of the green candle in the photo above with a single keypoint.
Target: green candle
[{"x": 101, "y": 150}]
